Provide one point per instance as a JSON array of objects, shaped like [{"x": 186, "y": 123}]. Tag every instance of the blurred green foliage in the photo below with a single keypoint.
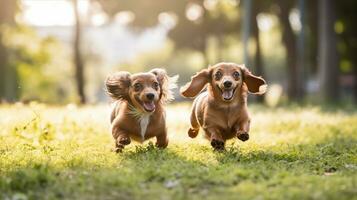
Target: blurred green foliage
[
  {"x": 42, "y": 67},
  {"x": 347, "y": 30},
  {"x": 185, "y": 62},
  {"x": 35, "y": 59}
]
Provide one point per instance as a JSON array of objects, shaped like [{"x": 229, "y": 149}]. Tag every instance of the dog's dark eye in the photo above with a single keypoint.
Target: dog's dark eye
[
  {"x": 155, "y": 85},
  {"x": 137, "y": 87},
  {"x": 236, "y": 75},
  {"x": 218, "y": 75}
]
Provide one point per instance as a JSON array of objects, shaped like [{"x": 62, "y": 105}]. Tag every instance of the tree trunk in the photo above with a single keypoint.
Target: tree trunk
[
  {"x": 327, "y": 51},
  {"x": 246, "y": 26},
  {"x": 312, "y": 36},
  {"x": 8, "y": 76},
  {"x": 3, "y": 67},
  {"x": 78, "y": 61},
  {"x": 301, "y": 75},
  {"x": 355, "y": 86},
  {"x": 289, "y": 41},
  {"x": 259, "y": 69}
]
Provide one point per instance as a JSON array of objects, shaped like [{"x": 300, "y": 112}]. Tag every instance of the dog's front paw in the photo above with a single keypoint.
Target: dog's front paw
[
  {"x": 217, "y": 144},
  {"x": 192, "y": 132},
  {"x": 162, "y": 144},
  {"x": 124, "y": 140},
  {"x": 242, "y": 135},
  {"x": 118, "y": 148}
]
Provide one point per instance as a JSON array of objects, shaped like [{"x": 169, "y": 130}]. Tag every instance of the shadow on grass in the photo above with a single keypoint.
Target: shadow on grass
[
  {"x": 336, "y": 151},
  {"x": 145, "y": 168}
]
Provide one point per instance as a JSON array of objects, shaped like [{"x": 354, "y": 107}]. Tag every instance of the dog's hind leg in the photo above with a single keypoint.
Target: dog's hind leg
[{"x": 195, "y": 126}]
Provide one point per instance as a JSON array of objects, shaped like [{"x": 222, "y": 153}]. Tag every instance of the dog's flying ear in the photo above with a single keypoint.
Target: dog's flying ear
[
  {"x": 167, "y": 84},
  {"x": 198, "y": 81},
  {"x": 255, "y": 84},
  {"x": 161, "y": 75},
  {"x": 117, "y": 85}
]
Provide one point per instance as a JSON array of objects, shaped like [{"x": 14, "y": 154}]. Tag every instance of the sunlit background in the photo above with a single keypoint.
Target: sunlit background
[{"x": 54, "y": 52}]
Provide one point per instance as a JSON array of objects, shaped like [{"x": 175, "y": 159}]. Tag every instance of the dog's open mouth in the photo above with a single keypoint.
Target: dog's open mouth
[
  {"x": 149, "y": 106},
  {"x": 227, "y": 94}
]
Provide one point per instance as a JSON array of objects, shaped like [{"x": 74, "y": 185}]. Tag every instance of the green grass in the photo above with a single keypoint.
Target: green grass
[{"x": 65, "y": 153}]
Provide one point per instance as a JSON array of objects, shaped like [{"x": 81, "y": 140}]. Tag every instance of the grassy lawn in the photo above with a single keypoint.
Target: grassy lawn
[{"x": 65, "y": 153}]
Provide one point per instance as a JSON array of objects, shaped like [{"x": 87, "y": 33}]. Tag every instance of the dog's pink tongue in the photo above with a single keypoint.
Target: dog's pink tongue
[
  {"x": 149, "y": 106},
  {"x": 227, "y": 94}
]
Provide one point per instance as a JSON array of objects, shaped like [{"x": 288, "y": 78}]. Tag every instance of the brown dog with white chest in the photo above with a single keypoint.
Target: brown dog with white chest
[
  {"x": 222, "y": 110},
  {"x": 139, "y": 108}
]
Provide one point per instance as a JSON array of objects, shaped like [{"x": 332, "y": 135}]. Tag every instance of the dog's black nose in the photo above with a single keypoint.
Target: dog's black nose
[
  {"x": 150, "y": 96},
  {"x": 227, "y": 84}
]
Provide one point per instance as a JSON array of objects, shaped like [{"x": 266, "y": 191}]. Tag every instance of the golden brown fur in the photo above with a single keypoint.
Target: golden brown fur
[
  {"x": 139, "y": 108},
  {"x": 222, "y": 111}
]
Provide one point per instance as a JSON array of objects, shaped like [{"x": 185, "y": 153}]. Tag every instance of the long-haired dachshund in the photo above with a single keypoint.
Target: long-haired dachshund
[
  {"x": 139, "y": 107},
  {"x": 222, "y": 110}
]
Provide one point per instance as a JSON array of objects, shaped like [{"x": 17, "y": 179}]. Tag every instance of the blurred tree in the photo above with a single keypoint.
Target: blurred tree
[
  {"x": 289, "y": 39},
  {"x": 216, "y": 21},
  {"x": 196, "y": 21},
  {"x": 259, "y": 65},
  {"x": 247, "y": 19},
  {"x": 146, "y": 11},
  {"x": 78, "y": 60},
  {"x": 256, "y": 35},
  {"x": 347, "y": 33},
  {"x": 311, "y": 36},
  {"x": 41, "y": 66},
  {"x": 189, "y": 33},
  {"x": 8, "y": 76},
  {"x": 300, "y": 43},
  {"x": 327, "y": 51}
]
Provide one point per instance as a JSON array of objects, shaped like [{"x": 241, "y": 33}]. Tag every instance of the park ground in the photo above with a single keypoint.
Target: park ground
[{"x": 64, "y": 152}]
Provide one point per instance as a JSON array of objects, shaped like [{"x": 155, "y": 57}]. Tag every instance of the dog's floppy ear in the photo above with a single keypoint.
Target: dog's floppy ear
[
  {"x": 255, "y": 84},
  {"x": 167, "y": 84},
  {"x": 198, "y": 81},
  {"x": 117, "y": 85}
]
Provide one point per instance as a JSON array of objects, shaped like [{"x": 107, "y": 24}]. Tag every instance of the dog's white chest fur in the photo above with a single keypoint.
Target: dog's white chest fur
[{"x": 144, "y": 121}]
